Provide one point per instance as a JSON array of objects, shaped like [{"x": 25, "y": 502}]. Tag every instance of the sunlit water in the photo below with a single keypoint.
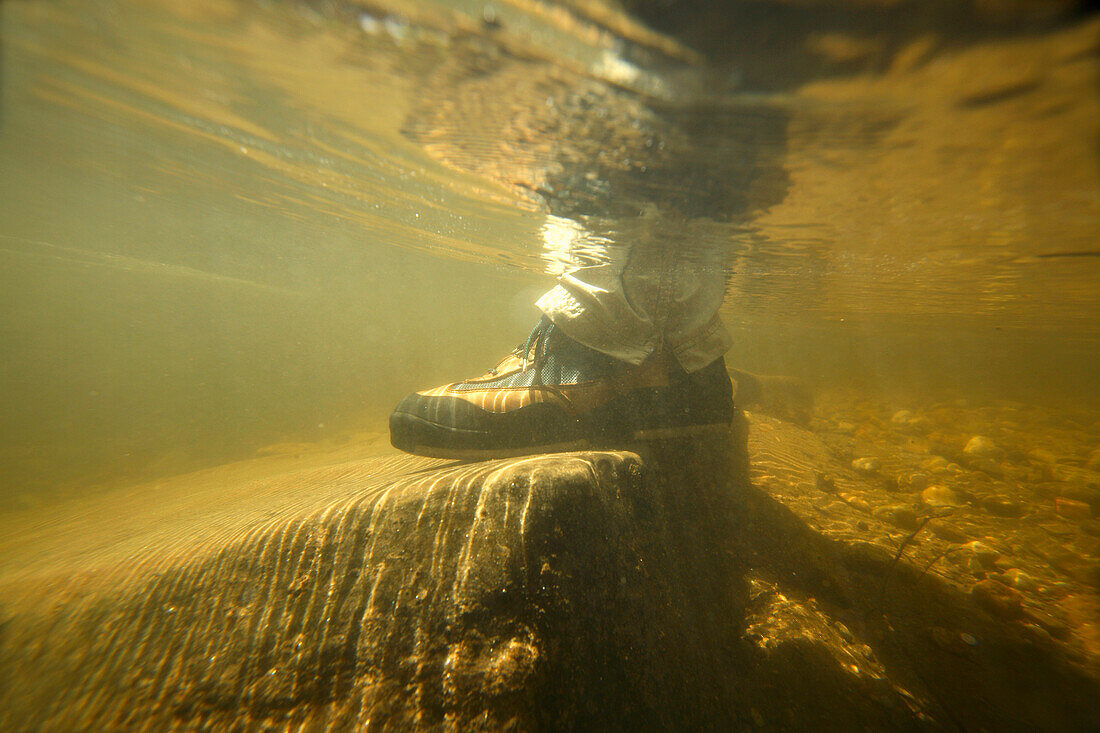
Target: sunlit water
[{"x": 226, "y": 225}]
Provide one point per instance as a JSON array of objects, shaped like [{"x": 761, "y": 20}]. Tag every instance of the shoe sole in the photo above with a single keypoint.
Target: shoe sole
[{"x": 640, "y": 436}]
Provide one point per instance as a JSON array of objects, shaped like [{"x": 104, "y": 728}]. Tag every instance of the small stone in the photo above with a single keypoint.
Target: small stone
[
  {"x": 1002, "y": 507},
  {"x": 1051, "y": 624},
  {"x": 997, "y": 599},
  {"x": 968, "y": 639},
  {"x": 988, "y": 465},
  {"x": 846, "y": 428},
  {"x": 1055, "y": 529},
  {"x": 979, "y": 555},
  {"x": 1071, "y": 509},
  {"x": 1019, "y": 579},
  {"x": 1094, "y": 459},
  {"x": 913, "y": 482},
  {"x": 1088, "y": 494},
  {"x": 855, "y": 502},
  {"x": 947, "y": 533},
  {"x": 939, "y": 496},
  {"x": 866, "y": 465},
  {"x": 901, "y": 417},
  {"x": 899, "y": 516},
  {"x": 982, "y": 447},
  {"x": 919, "y": 424},
  {"x": 1041, "y": 455},
  {"x": 935, "y": 464}
]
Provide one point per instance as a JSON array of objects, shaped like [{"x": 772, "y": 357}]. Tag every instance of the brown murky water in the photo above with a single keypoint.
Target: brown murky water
[{"x": 230, "y": 228}]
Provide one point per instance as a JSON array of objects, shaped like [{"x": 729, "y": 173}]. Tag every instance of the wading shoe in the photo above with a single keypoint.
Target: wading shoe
[{"x": 554, "y": 394}]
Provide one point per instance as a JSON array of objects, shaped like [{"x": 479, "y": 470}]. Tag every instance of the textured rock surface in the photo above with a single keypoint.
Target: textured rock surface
[
  {"x": 655, "y": 589},
  {"x": 554, "y": 590}
]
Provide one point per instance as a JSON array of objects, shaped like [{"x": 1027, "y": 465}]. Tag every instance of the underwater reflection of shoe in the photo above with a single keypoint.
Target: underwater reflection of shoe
[{"x": 553, "y": 394}]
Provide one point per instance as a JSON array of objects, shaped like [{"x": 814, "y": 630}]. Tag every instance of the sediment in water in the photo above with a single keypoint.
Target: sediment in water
[{"x": 648, "y": 589}]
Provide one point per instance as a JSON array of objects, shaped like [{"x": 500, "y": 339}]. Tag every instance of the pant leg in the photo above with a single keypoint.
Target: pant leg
[{"x": 653, "y": 285}]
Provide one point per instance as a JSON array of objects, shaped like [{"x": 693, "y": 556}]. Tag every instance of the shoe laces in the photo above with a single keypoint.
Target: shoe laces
[
  {"x": 537, "y": 345},
  {"x": 534, "y": 349}
]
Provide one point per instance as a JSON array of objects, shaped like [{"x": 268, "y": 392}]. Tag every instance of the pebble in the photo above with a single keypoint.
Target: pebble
[
  {"x": 920, "y": 424},
  {"x": 1076, "y": 511},
  {"x": 1041, "y": 455},
  {"x": 901, "y": 417},
  {"x": 979, "y": 555},
  {"x": 1002, "y": 507},
  {"x": 832, "y": 507},
  {"x": 824, "y": 482},
  {"x": 988, "y": 465},
  {"x": 866, "y": 465},
  {"x": 855, "y": 502},
  {"x": 982, "y": 447},
  {"x": 1056, "y": 529},
  {"x": 1088, "y": 494},
  {"x": 939, "y": 496},
  {"x": 947, "y": 533},
  {"x": 1019, "y": 579},
  {"x": 845, "y": 427},
  {"x": 913, "y": 481},
  {"x": 899, "y": 516},
  {"x": 935, "y": 464},
  {"x": 1094, "y": 459}
]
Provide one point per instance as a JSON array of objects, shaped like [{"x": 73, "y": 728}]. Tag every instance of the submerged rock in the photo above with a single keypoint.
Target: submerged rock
[
  {"x": 1041, "y": 455},
  {"x": 1085, "y": 494},
  {"x": 939, "y": 496},
  {"x": 979, "y": 555},
  {"x": 899, "y": 516},
  {"x": 982, "y": 447},
  {"x": 549, "y": 591},
  {"x": 946, "y": 532},
  {"x": 1002, "y": 506},
  {"x": 1019, "y": 579},
  {"x": 917, "y": 481},
  {"x": 901, "y": 417},
  {"x": 655, "y": 589},
  {"x": 866, "y": 465},
  {"x": 1077, "y": 511},
  {"x": 935, "y": 464}
]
